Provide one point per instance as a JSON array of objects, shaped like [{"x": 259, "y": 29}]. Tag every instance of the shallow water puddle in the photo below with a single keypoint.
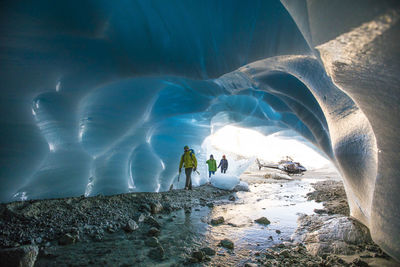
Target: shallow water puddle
[
  {"x": 183, "y": 232},
  {"x": 278, "y": 202}
]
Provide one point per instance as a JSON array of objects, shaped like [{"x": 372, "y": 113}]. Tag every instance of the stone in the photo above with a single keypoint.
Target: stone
[
  {"x": 66, "y": 239},
  {"x": 226, "y": 243},
  {"x": 218, "y": 220},
  {"x": 153, "y": 222},
  {"x": 199, "y": 255},
  {"x": 250, "y": 265},
  {"x": 152, "y": 242},
  {"x": 131, "y": 226},
  {"x": 278, "y": 232},
  {"x": 359, "y": 262},
  {"x": 153, "y": 232},
  {"x": 188, "y": 209},
  {"x": 232, "y": 198},
  {"x": 332, "y": 234},
  {"x": 141, "y": 218},
  {"x": 269, "y": 256},
  {"x": 156, "y": 207},
  {"x": 19, "y": 256},
  {"x": 263, "y": 220},
  {"x": 157, "y": 253},
  {"x": 285, "y": 253},
  {"x": 144, "y": 207},
  {"x": 208, "y": 251}
]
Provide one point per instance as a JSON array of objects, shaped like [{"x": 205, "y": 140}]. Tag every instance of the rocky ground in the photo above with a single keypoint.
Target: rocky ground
[
  {"x": 333, "y": 196},
  {"x": 144, "y": 229}
]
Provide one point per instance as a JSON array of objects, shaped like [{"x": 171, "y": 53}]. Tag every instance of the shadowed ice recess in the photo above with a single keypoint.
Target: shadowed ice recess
[{"x": 99, "y": 97}]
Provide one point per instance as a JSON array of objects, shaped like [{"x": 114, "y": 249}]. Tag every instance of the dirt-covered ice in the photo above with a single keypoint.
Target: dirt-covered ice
[{"x": 204, "y": 227}]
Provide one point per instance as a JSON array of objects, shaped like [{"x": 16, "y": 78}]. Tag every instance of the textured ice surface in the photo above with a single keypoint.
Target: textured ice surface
[
  {"x": 99, "y": 97},
  {"x": 224, "y": 181}
]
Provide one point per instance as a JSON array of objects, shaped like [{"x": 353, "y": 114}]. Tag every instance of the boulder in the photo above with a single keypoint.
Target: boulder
[
  {"x": 198, "y": 255},
  {"x": 325, "y": 234},
  {"x": 67, "y": 239},
  {"x": 152, "y": 242},
  {"x": 263, "y": 220},
  {"x": 151, "y": 221},
  {"x": 131, "y": 226},
  {"x": 218, "y": 220},
  {"x": 19, "y": 256},
  {"x": 157, "y": 253},
  {"x": 153, "y": 232},
  {"x": 226, "y": 243},
  {"x": 156, "y": 207},
  {"x": 208, "y": 251}
]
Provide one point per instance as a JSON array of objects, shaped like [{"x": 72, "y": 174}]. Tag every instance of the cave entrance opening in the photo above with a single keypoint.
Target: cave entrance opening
[{"x": 240, "y": 144}]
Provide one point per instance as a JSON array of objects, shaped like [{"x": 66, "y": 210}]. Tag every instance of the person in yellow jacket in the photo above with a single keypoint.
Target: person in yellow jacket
[
  {"x": 212, "y": 165},
  {"x": 189, "y": 161}
]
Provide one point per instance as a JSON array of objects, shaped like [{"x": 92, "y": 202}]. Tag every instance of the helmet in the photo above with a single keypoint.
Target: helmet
[
  {"x": 211, "y": 156},
  {"x": 186, "y": 147}
]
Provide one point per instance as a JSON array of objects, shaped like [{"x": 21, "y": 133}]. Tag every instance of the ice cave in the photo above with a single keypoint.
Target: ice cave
[{"x": 99, "y": 97}]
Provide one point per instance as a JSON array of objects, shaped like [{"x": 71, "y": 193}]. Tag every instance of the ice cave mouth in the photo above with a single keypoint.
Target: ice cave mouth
[
  {"x": 124, "y": 126},
  {"x": 94, "y": 94}
]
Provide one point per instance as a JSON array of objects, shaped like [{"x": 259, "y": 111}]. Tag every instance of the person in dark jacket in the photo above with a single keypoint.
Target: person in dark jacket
[{"x": 223, "y": 164}]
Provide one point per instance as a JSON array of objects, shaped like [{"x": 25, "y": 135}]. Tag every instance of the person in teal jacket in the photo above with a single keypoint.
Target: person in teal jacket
[{"x": 212, "y": 165}]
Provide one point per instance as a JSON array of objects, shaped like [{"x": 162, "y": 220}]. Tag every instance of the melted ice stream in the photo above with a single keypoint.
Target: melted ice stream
[{"x": 183, "y": 232}]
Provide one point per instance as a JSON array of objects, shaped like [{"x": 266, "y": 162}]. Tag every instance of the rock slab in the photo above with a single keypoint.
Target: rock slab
[{"x": 24, "y": 256}]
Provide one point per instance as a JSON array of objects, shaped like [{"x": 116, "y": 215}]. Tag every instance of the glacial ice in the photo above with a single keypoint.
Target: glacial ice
[
  {"x": 99, "y": 97},
  {"x": 224, "y": 181}
]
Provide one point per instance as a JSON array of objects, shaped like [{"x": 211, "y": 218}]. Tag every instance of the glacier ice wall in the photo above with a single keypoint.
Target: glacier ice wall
[{"x": 100, "y": 97}]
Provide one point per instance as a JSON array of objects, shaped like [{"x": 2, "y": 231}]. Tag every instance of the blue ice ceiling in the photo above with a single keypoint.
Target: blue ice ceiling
[{"x": 99, "y": 97}]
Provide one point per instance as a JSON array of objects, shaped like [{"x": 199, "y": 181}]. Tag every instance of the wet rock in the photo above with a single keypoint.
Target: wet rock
[
  {"x": 218, "y": 220},
  {"x": 141, "y": 217},
  {"x": 131, "y": 226},
  {"x": 335, "y": 234},
  {"x": 157, "y": 253},
  {"x": 210, "y": 204},
  {"x": 208, "y": 251},
  {"x": 67, "y": 239},
  {"x": 144, "y": 207},
  {"x": 153, "y": 222},
  {"x": 285, "y": 253},
  {"x": 152, "y": 242},
  {"x": 263, "y": 220},
  {"x": 188, "y": 209},
  {"x": 359, "y": 262},
  {"x": 269, "y": 256},
  {"x": 198, "y": 255},
  {"x": 19, "y": 256},
  {"x": 226, "y": 243},
  {"x": 156, "y": 207},
  {"x": 153, "y": 232},
  {"x": 320, "y": 211}
]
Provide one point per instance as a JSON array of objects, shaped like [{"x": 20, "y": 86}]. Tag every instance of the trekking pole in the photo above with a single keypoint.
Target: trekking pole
[{"x": 179, "y": 175}]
